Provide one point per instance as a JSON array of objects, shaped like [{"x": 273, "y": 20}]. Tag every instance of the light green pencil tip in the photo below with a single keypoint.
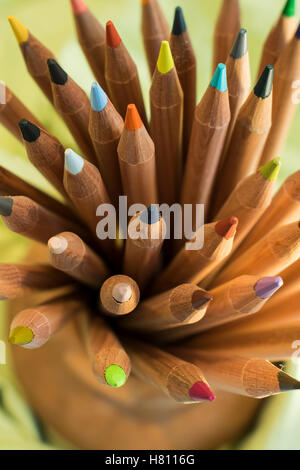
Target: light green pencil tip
[
  {"x": 165, "y": 61},
  {"x": 21, "y": 335},
  {"x": 271, "y": 169},
  {"x": 115, "y": 376},
  {"x": 290, "y": 8}
]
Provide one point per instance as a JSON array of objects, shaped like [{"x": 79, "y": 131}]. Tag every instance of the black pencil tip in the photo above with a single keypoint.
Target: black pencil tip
[
  {"x": 263, "y": 88},
  {"x": 6, "y": 205},
  {"x": 57, "y": 74},
  {"x": 240, "y": 46},
  {"x": 30, "y": 132},
  {"x": 298, "y": 32},
  {"x": 151, "y": 215},
  {"x": 179, "y": 25}
]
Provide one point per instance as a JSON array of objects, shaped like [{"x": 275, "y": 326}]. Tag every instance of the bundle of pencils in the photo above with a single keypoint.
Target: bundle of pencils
[{"x": 176, "y": 321}]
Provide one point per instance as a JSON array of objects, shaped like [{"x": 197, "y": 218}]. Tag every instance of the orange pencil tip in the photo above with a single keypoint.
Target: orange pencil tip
[
  {"x": 112, "y": 36},
  {"x": 78, "y": 6},
  {"x": 132, "y": 120},
  {"x": 226, "y": 228}
]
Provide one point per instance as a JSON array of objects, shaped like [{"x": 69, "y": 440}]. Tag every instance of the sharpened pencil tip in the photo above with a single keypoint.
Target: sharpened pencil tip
[
  {"x": 200, "y": 298},
  {"x": 73, "y": 162},
  {"x": 267, "y": 286},
  {"x": 21, "y": 335},
  {"x": 226, "y": 228},
  {"x": 151, "y": 215},
  {"x": 201, "y": 391},
  {"x": 165, "y": 61},
  {"x": 290, "y": 8},
  {"x": 133, "y": 121},
  {"x": 122, "y": 292},
  {"x": 57, "y": 245},
  {"x": 98, "y": 97},
  {"x": 179, "y": 25},
  {"x": 115, "y": 376},
  {"x": 219, "y": 79},
  {"x": 112, "y": 36},
  {"x": 78, "y": 6},
  {"x": 21, "y": 33},
  {"x": 271, "y": 169},
  {"x": 298, "y": 32},
  {"x": 6, "y": 206},
  {"x": 240, "y": 46},
  {"x": 264, "y": 86},
  {"x": 30, "y": 131},
  {"x": 287, "y": 382},
  {"x": 57, "y": 74}
]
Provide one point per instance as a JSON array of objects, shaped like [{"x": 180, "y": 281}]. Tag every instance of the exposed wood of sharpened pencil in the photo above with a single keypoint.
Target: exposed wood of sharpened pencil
[
  {"x": 72, "y": 103},
  {"x": 105, "y": 127},
  {"x": 91, "y": 37},
  {"x": 185, "y": 63},
  {"x": 33, "y": 327},
  {"x": 119, "y": 295},
  {"x": 166, "y": 100},
  {"x": 146, "y": 234},
  {"x": 286, "y": 97},
  {"x": 155, "y": 29},
  {"x": 137, "y": 161},
  {"x": 180, "y": 380},
  {"x": 252, "y": 377},
  {"x": 68, "y": 253},
  {"x": 184, "y": 305},
  {"x": 17, "y": 280},
  {"x": 12, "y": 110},
  {"x": 121, "y": 75},
  {"x": 279, "y": 36},
  {"x": 227, "y": 26}
]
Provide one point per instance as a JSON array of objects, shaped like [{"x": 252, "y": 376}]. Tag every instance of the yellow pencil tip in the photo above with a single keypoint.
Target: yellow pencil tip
[
  {"x": 19, "y": 29},
  {"x": 165, "y": 61},
  {"x": 21, "y": 335}
]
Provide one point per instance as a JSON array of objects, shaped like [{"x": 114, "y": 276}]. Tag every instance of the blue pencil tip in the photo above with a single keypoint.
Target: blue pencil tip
[
  {"x": 151, "y": 215},
  {"x": 219, "y": 79},
  {"x": 98, "y": 97},
  {"x": 73, "y": 162}
]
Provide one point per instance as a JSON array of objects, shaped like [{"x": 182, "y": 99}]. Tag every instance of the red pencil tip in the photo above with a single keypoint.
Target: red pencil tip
[
  {"x": 226, "y": 228},
  {"x": 201, "y": 391},
  {"x": 132, "y": 119},
  {"x": 112, "y": 36},
  {"x": 78, "y": 6}
]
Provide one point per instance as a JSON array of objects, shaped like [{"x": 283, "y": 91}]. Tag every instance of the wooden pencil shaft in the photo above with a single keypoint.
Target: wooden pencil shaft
[{"x": 113, "y": 306}]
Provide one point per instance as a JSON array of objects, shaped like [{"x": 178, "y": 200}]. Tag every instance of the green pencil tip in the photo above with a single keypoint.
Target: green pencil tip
[
  {"x": 271, "y": 169},
  {"x": 165, "y": 61},
  {"x": 21, "y": 335},
  {"x": 290, "y": 8},
  {"x": 219, "y": 79},
  {"x": 263, "y": 88},
  {"x": 115, "y": 376}
]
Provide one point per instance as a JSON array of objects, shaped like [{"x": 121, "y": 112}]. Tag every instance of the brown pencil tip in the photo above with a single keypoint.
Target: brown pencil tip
[
  {"x": 200, "y": 298},
  {"x": 226, "y": 228},
  {"x": 112, "y": 36},
  {"x": 132, "y": 120},
  {"x": 287, "y": 382}
]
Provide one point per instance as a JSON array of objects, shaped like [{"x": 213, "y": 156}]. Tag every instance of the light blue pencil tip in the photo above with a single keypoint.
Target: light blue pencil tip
[
  {"x": 98, "y": 97},
  {"x": 73, "y": 162},
  {"x": 219, "y": 79}
]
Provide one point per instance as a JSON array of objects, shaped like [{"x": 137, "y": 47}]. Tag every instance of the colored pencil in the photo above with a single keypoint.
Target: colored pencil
[
  {"x": 286, "y": 97},
  {"x": 17, "y": 280},
  {"x": 35, "y": 56},
  {"x": 185, "y": 63},
  {"x": 146, "y": 234},
  {"x": 33, "y": 327},
  {"x": 72, "y": 103},
  {"x": 155, "y": 29},
  {"x": 68, "y": 253},
  {"x": 119, "y": 295},
  {"x": 12, "y": 110},
  {"x": 121, "y": 74},
  {"x": 166, "y": 102},
  {"x": 248, "y": 138},
  {"x": 137, "y": 161},
  {"x": 212, "y": 117},
  {"x": 91, "y": 37},
  {"x": 180, "y": 380},
  {"x": 279, "y": 36},
  {"x": 227, "y": 27},
  {"x": 105, "y": 128}
]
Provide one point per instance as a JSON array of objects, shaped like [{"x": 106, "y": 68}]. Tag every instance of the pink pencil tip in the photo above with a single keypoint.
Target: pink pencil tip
[
  {"x": 201, "y": 391},
  {"x": 78, "y": 6}
]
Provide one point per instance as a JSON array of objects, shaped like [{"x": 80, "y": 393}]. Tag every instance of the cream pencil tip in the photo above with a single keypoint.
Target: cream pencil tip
[
  {"x": 57, "y": 245},
  {"x": 122, "y": 292}
]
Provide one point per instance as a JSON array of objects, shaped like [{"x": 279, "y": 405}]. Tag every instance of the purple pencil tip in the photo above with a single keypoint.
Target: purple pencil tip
[
  {"x": 298, "y": 32},
  {"x": 267, "y": 286}
]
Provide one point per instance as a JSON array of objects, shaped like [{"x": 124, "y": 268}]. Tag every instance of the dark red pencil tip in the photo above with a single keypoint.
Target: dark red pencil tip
[
  {"x": 226, "y": 228},
  {"x": 112, "y": 36},
  {"x": 201, "y": 391}
]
